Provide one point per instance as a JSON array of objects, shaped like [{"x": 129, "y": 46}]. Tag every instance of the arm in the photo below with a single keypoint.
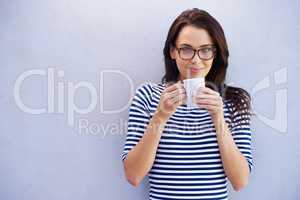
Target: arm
[
  {"x": 140, "y": 159},
  {"x": 141, "y": 156},
  {"x": 235, "y": 164}
]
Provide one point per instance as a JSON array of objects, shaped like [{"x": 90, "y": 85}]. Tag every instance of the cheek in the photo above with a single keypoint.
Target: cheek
[
  {"x": 182, "y": 65},
  {"x": 208, "y": 63}
]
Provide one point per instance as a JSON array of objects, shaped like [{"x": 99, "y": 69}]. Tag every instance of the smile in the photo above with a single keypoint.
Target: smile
[{"x": 196, "y": 69}]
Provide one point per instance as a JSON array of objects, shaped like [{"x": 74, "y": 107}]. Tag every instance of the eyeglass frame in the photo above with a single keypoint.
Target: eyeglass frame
[{"x": 197, "y": 50}]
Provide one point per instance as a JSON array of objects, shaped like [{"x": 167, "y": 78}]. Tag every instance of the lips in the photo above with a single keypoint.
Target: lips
[{"x": 196, "y": 69}]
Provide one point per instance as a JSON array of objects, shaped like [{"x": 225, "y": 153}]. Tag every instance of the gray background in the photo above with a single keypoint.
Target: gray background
[{"x": 43, "y": 157}]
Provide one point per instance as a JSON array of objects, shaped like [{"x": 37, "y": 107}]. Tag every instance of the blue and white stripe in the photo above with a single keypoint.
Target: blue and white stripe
[{"x": 187, "y": 163}]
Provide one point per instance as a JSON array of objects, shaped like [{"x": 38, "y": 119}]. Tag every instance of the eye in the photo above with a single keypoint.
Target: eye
[
  {"x": 186, "y": 50},
  {"x": 206, "y": 50}
]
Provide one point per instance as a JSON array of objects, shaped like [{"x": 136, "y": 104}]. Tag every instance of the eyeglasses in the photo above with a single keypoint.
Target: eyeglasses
[{"x": 204, "y": 53}]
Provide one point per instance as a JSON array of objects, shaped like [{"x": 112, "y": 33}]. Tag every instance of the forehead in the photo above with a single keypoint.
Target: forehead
[{"x": 193, "y": 36}]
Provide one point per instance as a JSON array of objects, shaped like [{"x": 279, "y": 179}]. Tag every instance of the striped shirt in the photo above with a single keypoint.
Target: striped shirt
[{"x": 187, "y": 163}]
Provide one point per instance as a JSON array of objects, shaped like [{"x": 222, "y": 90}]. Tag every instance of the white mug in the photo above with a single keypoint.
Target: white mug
[{"x": 191, "y": 86}]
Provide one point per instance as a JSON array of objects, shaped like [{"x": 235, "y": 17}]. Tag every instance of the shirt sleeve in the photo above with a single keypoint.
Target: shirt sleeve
[
  {"x": 139, "y": 116},
  {"x": 242, "y": 134}
]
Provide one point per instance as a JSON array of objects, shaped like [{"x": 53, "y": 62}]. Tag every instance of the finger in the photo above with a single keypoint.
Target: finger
[
  {"x": 207, "y": 101},
  {"x": 168, "y": 84},
  {"x": 179, "y": 99},
  {"x": 170, "y": 88},
  {"x": 172, "y": 100},
  {"x": 174, "y": 86},
  {"x": 208, "y": 91},
  {"x": 206, "y": 96},
  {"x": 209, "y": 107},
  {"x": 176, "y": 92}
]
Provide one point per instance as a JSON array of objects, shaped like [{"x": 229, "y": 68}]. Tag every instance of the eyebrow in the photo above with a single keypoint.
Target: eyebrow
[{"x": 188, "y": 45}]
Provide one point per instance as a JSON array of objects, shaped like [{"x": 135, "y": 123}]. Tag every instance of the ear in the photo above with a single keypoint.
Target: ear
[{"x": 173, "y": 52}]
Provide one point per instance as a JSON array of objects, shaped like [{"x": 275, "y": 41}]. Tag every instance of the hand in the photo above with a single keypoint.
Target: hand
[
  {"x": 172, "y": 96},
  {"x": 211, "y": 100}
]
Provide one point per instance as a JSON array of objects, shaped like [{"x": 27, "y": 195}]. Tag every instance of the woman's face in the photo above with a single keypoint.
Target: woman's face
[{"x": 189, "y": 38}]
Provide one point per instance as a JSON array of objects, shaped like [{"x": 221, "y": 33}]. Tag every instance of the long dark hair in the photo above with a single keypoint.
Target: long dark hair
[{"x": 215, "y": 79}]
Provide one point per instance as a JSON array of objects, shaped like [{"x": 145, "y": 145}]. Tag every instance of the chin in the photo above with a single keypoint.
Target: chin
[
  {"x": 198, "y": 75},
  {"x": 189, "y": 75}
]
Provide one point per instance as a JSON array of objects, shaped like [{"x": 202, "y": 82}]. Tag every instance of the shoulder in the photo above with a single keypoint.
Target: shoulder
[{"x": 148, "y": 90}]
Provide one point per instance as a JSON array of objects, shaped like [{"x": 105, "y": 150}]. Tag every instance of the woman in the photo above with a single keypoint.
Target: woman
[{"x": 190, "y": 153}]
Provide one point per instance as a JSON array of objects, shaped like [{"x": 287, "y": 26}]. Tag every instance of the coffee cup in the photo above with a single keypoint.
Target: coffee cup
[{"x": 191, "y": 86}]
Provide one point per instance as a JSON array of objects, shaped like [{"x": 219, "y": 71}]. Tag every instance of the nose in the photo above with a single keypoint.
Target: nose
[{"x": 196, "y": 58}]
